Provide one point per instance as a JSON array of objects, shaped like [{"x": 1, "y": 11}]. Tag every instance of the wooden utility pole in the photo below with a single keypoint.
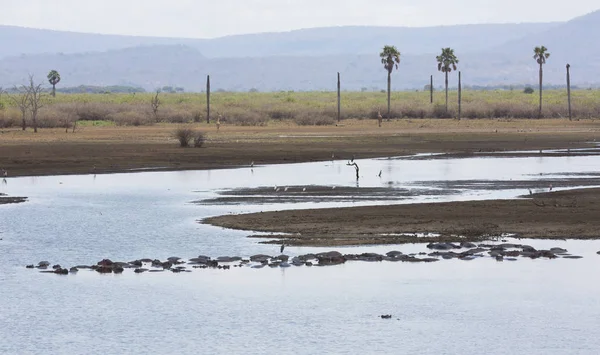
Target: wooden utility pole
[
  {"x": 338, "y": 98},
  {"x": 208, "y": 99},
  {"x": 431, "y": 89},
  {"x": 459, "y": 95},
  {"x": 569, "y": 89}
]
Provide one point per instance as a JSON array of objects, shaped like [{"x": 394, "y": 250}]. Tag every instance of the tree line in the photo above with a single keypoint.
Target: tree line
[{"x": 447, "y": 62}]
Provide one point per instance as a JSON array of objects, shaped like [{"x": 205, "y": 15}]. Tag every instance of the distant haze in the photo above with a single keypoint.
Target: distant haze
[
  {"x": 207, "y": 19},
  {"x": 490, "y": 55}
]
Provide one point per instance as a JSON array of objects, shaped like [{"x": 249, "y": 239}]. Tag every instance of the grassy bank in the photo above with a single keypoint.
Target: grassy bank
[{"x": 303, "y": 108}]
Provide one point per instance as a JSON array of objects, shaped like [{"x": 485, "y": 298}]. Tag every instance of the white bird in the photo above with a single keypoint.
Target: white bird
[
  {"x": 275, "y": 188},
  {"x": 286, "y": 188},
  {"x": 5, "y": 173},
  {"x": 333, "y": 188},
  {"x": 252, "y": 164},
  {"x": 550, "y": 187},
  {"x": 304, "y": 189}
]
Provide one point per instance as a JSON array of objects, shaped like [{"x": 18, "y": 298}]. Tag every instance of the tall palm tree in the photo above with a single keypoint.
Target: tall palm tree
[
  {"x": 390, "y": 58},
  {"x": 540, "y": 55},
  {"x": 446, "y": 63},
  {"x": 53, "y": 79}
]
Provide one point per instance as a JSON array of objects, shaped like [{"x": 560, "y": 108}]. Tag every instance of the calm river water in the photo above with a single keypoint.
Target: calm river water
[{"x": 449, "y": 307}]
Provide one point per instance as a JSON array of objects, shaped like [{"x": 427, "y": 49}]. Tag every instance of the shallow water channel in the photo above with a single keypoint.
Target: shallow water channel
[{"x": 481, "y": 306}]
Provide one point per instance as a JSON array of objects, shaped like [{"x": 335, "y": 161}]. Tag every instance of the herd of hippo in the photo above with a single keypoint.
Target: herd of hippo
[{"x": 438, "y": 251}]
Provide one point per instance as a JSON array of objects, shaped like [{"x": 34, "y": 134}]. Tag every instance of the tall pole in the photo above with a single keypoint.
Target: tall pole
[
  {"x": 431, "y": 89},
  {"x": 208, "y": 99},
  {"x": 569, "y": 89},
  {"x": 459, "y": 94},
  {"x": 338, "y": 98}
]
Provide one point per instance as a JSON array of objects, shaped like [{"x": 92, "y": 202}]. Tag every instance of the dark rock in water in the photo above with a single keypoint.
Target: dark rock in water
[
  {"x": 467, "y": 245},
  {"x": 442, "y": 246},
  {"x": 259, "y": 266},
  {"x": 146, "y": 260},
  {"x": 43, "y": 263},
  {"x": 510, "y": 259},
  {"x": 307, "y": 257},
  {"x": 330, "y": 258},
  {"x": 297, "y": 262},
  {"x": 173, "y": 259},
  {"x": 137, "y": 263},
  {"x": 429, "y": 260},
  {"x": 61, "y": 271},
  {"x": 386, "y": 316},
  {"x": 30, "y": 266},
  {"x": 282, "y": 257},
  {"x": 42, "y": 267},
  {"x": 57, "y": 266},
  {"x": 510, "y": 246},
  {"x": 558, "y": 250},
  {"x": 175, "y": 270},
  {"x": 140, "y": 270},
  {"x": 528, "y": 248},
  {"x": 284, "y": 264},
  {"x": 118, "y": 269},
  {"x": 228, "y": 259},
  {"x": 572, "y": 257},
  {"x": 105, "y": 262},
  {"x": 73, "y": 270},
  {"x": 260, "y": 258},
  {"x": 104, "y": 269},
  {"x": 83, "y": 267},
  {"x": 394, "y": 253},
  {"x": 156, "y": 270},
  {"x": 226, "y": 267},
  {"x": 212, "y": 263},
  {"x": 512, "y": 253},
  {"x": 598, "y": 252},
  {"x": 156, "y": 263},
  {"x": 308, "y": 263},
  {"x": 467, "y": 258},
  {"x": 166, "y": 265},
  {"x": 499, "y": 258}
]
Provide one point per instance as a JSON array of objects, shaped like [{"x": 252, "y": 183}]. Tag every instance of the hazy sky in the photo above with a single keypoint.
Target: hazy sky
[{"x": 202, "y": 18}]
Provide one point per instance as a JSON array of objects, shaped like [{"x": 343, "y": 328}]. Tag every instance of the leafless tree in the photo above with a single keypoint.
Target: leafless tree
[
  {"x": 36, "y": 100},
  {"x": 155, "y": 103},
  {"x": 21, "y": 100}
]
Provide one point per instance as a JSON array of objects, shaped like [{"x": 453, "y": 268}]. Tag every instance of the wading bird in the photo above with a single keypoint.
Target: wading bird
[
  {"x": 282, "y": 247},
  {"x": 379, "y": 173}
]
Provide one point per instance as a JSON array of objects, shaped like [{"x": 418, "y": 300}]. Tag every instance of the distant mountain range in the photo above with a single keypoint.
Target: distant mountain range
[{"x": 497, "y": 54}]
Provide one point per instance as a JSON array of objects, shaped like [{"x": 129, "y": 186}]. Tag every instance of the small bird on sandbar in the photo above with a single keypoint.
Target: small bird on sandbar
[
  {"x": 379, "y": 173},
  {"x": 282, "y": 247}
]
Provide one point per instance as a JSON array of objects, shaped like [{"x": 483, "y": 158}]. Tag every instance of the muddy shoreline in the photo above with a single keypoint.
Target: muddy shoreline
[
  {"x": 569, "y": 214},
  {"x": 125, "y": 149},
  {"x": 4, "y": 199}
]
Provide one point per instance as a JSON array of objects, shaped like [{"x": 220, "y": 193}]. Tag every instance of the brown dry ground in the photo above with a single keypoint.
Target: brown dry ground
[
  {"x": 116, "y": 149},
  {"x": 556, "y": 215}
]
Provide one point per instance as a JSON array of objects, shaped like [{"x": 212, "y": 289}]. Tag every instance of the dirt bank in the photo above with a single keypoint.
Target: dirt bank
[
  {"x": 118, "y": 149},
  {"x": 564, "y": 214}
]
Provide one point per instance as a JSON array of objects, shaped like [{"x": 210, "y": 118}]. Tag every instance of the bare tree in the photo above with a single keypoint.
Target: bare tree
[
  {"x": 21, "y": 100},
  {"x": 36, "y": 100},
  {"x": 155, "y": 103}
]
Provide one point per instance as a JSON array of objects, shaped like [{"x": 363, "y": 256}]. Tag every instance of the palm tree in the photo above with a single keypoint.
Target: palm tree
[
  {"x": 446, "y": 63},
  {"x": 540, "y": 55},
  {"x": 390, "y": 58},
  {"x": 53, "y": 79}
]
